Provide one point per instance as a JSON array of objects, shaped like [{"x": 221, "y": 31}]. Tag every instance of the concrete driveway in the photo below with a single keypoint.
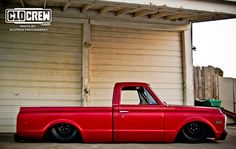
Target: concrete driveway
[{"x": 6, "y": 142}]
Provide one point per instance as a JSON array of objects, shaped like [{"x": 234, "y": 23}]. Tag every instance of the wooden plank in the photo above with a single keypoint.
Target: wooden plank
[
  {"x": 13, "y": 108},
  {"x": 40, "y": 84},
  {"x": 35, "y": 96},
  {"x": 67, "y": 4},
  {"x": 133, "y": 30},
  {"x": 51, "y": 54},
  {"x": 43, "y": 38},
  {"x": 85, "y": 63},
  {"x": 40, "y": 47},
  {"x": 200, "y": 77},
  {"x": 217, "y": 91},
  {"x": 39, "y": 90},
  {"x": 187, "y": 68},
  {"x": 195, "y": 83},
  {"x": 137, "y": 69},
  {"x": 134, "y": 62},
  {"x": 8, "y": 115},
  {"x": 7, "y": 128},
  {"x": 101, "y": 79},
  {"x": 41, "y": 71},
  {"x": 41, "y": 78},
  {"x": 25, "y": 64},
  {"x": 144, "y": 12},
  {"x": 162, "y": 14},
  {"x": 7, "y": 102},
  {"x": 133, "y": 41},
  {"x": 128, "y": 10},
  {"x": 29, "y": 58},
  {"x": 212, "y": 81},
  {"x": 86, "y": 7},
  {"x": 135, "y": 35},
  {"x": 137, "y": 57},
  {"x": 159, "y": 27},
  {"x": 155, "y": 75},
  {"x": 157, "y": 52},
  {"x": 106, "y": 9},
  {"x": 135, "y": 46}
]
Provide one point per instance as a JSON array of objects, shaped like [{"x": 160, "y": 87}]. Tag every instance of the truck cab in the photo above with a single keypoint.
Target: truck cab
[{"x": 137, "y": 112}]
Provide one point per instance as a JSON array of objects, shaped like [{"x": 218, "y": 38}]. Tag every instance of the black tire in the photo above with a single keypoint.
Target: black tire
[
  {"x": 17, "y": 138},
  {"x": 64, "y": 132},
  {"x": 194, "y": 132}
]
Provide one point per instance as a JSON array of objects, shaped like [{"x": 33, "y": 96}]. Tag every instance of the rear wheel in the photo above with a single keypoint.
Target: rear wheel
[
  {"x": 64, "y": 132},
  {"x": 194, "y": 132}
]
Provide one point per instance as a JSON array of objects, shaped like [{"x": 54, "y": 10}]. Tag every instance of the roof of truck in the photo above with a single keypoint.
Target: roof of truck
[{"x": 132, "y": 83}]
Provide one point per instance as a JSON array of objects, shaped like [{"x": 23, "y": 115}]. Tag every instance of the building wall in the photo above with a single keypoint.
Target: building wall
[
  {"x": 121, "y": 54},
  {"x": 39, "y": 69},
  {"x": 228, "y": 94},
  {"x": 49, "y": 68}
]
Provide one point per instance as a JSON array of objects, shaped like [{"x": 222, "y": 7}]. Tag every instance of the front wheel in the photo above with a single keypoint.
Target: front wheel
[
  {"x": 194, "y": 132},
  {"x": 64, "y": 132}
]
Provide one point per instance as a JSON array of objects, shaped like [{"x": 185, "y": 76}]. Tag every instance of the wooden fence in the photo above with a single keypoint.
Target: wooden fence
[{"x": 206, "y": 82}]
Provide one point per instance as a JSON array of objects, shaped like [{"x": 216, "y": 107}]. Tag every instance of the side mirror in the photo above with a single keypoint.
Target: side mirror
[{"x": 165, "y": 103}]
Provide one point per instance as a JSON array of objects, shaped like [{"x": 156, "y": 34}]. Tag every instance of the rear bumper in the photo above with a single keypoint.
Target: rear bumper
[{"x": 223, "y": 135}]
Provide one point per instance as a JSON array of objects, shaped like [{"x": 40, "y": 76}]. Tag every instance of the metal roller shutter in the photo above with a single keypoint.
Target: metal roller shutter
[
  {"x": 39, "y": 69},
  {"x": 126, "y": 54}
]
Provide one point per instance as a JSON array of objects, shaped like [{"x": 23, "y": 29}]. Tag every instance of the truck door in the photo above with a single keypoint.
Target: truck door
[{"x": 140, "y": 117}]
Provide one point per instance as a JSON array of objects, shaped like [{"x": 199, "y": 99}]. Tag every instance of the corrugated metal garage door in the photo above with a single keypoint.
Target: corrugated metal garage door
[
  {"x": 39, "y": 69},
  {"x": 125, "y": 54}
]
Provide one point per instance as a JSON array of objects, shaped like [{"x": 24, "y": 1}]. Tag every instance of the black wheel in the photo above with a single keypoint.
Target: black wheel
[
  {"x": 194, "y": 132},
  {"x": 17, "y": 138},
  {"x": 64, "y": 132}
]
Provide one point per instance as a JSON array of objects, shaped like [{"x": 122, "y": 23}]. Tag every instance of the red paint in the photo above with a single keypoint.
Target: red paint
[{"x": 142, "y": 123}]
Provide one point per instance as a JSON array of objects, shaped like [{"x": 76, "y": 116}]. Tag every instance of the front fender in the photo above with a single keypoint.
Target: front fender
[
  {"x": 194, "y": 119},
  {"x": 171, "y": 134}
]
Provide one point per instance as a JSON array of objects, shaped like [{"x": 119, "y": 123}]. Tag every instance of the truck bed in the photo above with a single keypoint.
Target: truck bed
[{"x": 92, "y": 121}]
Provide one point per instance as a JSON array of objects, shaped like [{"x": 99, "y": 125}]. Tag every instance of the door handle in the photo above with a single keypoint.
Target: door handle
[{"x": 123, "y": 111}]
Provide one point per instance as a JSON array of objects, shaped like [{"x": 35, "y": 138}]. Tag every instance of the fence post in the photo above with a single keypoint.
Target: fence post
[{"x": 206, "y": 82}]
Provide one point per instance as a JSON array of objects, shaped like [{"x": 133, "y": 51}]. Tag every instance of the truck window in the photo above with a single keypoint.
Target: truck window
[
  {"x": 129, "y": 97},
  {"x": 136, "y": 96}
]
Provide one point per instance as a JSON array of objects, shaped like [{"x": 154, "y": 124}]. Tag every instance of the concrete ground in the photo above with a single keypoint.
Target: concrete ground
[{"x": 7, "y": 142}]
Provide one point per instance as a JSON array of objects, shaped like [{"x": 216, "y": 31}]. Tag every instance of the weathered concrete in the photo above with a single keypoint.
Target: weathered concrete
[{"x": 7, "y": 142}]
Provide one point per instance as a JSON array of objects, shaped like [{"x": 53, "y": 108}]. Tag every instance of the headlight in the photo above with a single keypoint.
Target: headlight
[{"x": 225, "y": 121}]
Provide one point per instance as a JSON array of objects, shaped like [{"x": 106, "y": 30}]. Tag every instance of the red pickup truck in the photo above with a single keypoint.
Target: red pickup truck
[{"x": 136, "y": 115}]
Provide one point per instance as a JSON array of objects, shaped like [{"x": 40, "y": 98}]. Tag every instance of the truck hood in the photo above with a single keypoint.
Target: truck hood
[{"x": 193, "y": 109}]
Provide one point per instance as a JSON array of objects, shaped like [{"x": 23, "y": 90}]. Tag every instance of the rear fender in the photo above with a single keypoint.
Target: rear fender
[{"x": 47, "y": 127}]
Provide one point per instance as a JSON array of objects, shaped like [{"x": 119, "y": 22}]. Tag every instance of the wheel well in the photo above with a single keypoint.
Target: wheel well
[
  {"x": 48, "y": 135},
  {"x": 210, "y": 133}
]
